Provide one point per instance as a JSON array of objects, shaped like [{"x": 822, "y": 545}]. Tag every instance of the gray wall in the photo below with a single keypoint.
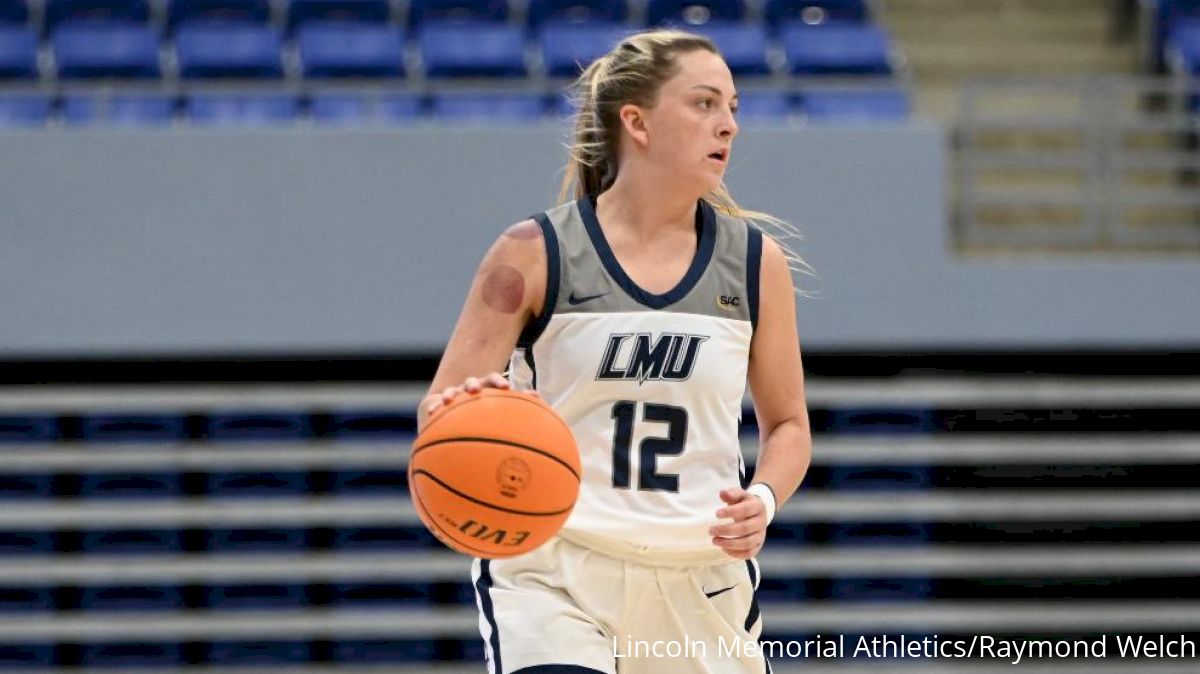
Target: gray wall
[{"x": 226, "y": 242}]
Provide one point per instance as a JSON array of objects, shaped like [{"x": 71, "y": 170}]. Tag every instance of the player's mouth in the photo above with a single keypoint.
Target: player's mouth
[{"x": 721, "y": 156}]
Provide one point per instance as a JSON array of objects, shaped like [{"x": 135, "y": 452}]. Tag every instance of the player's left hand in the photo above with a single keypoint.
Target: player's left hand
[{"x": 744, "y": 537}]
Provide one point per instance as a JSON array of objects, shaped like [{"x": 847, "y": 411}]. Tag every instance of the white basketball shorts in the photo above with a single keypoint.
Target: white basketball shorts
[{"x": 569, "y": 609}]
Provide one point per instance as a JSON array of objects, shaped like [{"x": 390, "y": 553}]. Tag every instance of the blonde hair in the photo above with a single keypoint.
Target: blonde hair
[{"x": 633, "y": 72}]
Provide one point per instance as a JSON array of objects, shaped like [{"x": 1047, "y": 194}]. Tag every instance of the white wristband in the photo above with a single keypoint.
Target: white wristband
[{"x": 764, "y": 492}]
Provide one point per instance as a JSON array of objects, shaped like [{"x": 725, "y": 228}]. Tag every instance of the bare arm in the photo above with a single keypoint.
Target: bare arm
[
  {"x": 777, "y": 384},
  {"x": 508, "y": 289}
]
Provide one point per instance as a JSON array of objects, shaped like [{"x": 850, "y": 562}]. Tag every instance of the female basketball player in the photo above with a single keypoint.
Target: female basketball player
[{"x": 638, "y": 311}]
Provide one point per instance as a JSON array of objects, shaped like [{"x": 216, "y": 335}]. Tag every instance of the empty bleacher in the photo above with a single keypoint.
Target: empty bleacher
[
  {"x": 251, "y": 54},
  {"x": 156, "y": 528},
  {"x": 947, "y": 43}
]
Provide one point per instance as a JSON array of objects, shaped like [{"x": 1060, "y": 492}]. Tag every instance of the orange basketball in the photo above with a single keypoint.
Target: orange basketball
[{"x": 495, "y": 473}]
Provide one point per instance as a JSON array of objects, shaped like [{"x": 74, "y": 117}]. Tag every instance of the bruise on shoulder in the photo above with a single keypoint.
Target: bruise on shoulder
[
  {"x": 504, "y": 289},
  {"x": 526, "y": 229}
]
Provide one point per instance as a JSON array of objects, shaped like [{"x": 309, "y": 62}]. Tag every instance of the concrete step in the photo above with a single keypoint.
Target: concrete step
[
  {"x": 999, "y": 27},
  {"x": 943, "y": 60},
  {"x": 945, "y": 42},
  {"x": 1035, "y": 7}
]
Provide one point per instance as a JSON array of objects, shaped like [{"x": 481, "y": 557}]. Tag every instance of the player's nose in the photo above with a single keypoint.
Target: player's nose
[{"x": 727, "y": 127}]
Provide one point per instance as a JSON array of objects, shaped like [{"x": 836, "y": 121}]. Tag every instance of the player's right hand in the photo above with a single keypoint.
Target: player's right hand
[
  {"x": 472, "y": 385},
  {"x": 437, "y": 400}
]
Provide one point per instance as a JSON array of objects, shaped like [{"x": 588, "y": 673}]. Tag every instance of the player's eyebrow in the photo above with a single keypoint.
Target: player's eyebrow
[{"x": 713, "y": 89}]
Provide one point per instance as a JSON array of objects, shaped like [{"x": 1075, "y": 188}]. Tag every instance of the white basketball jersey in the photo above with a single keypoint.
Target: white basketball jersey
[{"x": 651, "y": 385}]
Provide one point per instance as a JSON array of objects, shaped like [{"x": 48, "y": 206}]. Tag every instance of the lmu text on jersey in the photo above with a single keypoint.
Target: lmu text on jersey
[{"x": 641, "y": 357}]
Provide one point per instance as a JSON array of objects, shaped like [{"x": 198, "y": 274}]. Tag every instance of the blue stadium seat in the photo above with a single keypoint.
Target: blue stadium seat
[
  {"x": 132, "y": 598},
  {"x": 576, "y": 11},
  {"x": 180, "y": 12},
  {"x": 30, "y": 428},
  {"x": 568, "y": 48},
  {"x": 133, "y": 427},
  {"x": 24, "y": 600},
  {"x": 847, "y": 106},
  {"x": 370, "y": 482},
  {"x": 1184, "y": 43},
  {"x": 131, "y": 485},
  {"x": 14, "y": 11},
  {"x": 881, "y": 589},
  {"x": 563, "y": 106},
  {"x": 693, "y": 12},
  {"x": 360, "y": 594},
  {"x": 26, "y": 542},
  {"x": 257, "y": 540},
  {"x": 837, "y": 49},
  {"x": 21, "y": 656},
  {"x": 126, "y": 541},
  {"x": 880, "y": 478},
  {"x": 18, "y": 52},
  {"x": 881, "y": 533},
  {"x": 29, "y": 486},
  {"x": 789, "y": 533},
  {"x": 256, "y": 596},
  {"x": 743, "y": 45},
  {"x": 64, "y": 11},
  {"x": 140, "y": 654},
  {"x": 302, "y": 12},
  {"x": 885, "y": 420},
  {"x": 351, "y": 50},
  {"x": 350, "y": 109},
  {"x": 273, "y": 483},
  {"x": 388, "y": 650},
  {"x": 490, "y": 108},
  {"x": 370, "y": 424},
  {"x": 421, "y": 12},
  {"x": 242, "y": 109},
  {"x": 87, "y": 49},
  {"x": 382, "y": 538},
  {"x": 243, "y": 653},
  {"x": 120, "y": 110},
  {"x": 1170, "y": 16},
  {"x": 472, "y": 49},
  {"x": 775, "y": 589},
  {"x": 228, "y": 50},
  {"x": 763, "y": 107},
  {"x": 24, "y": 110},
  {"x": 263, "y": 424},
  {"x": 814, "y": 12}
]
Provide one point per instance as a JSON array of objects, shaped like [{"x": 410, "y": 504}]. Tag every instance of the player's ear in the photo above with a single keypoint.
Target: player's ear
[{"x": 633, "y": 120}]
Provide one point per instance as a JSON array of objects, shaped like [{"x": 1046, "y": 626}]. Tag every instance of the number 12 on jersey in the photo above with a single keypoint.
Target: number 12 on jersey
[{"x": 648, "y": 478}]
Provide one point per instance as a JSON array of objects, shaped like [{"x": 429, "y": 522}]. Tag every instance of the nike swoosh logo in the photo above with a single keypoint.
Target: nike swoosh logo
[
  {"x": 710, "y": 595},
  {"x": 580, "y": 300}
]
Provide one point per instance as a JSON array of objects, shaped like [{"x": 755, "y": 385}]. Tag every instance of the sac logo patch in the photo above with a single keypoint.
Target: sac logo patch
[
  {"x": 729, "y": 302},
  {"x": 641, "y": 357}
]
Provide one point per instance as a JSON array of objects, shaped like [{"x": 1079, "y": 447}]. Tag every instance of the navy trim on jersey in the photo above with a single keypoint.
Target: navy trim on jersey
[
  {"x": 706, "y": 232},
  {"x": 532, "y": 365},
  {"x": 534, "y": 329},
  {"x": 753, "y": 267},
  {"x": 557, "y": 669},
  {"x": 752, "y": 617},
  {"x": 483, "y": 586}
]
